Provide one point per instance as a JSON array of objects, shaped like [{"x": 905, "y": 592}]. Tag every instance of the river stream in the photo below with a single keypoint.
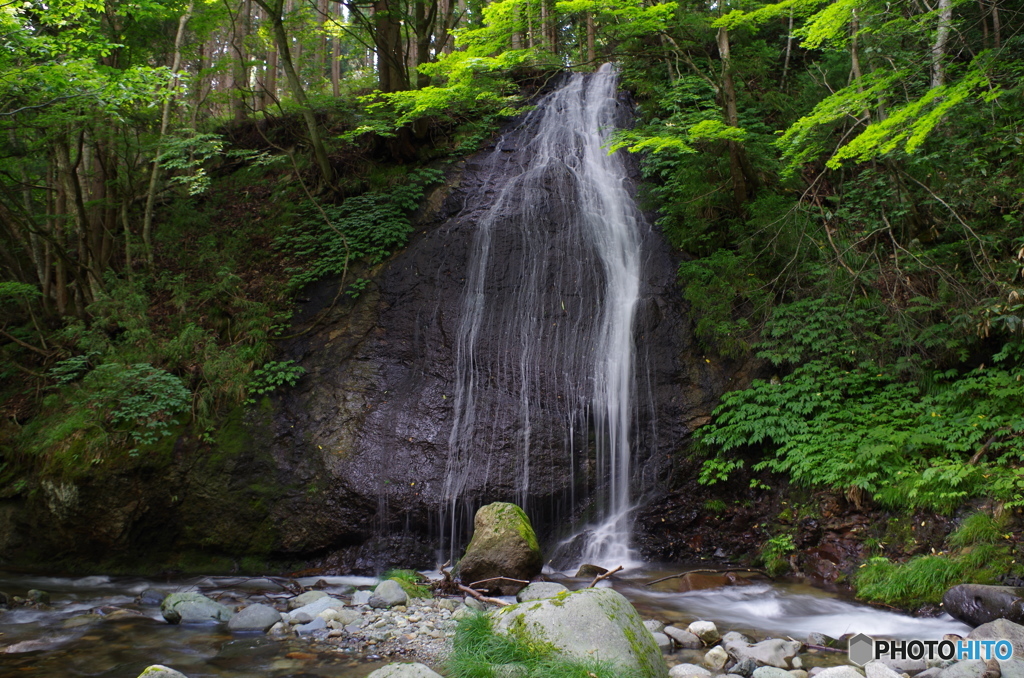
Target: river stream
[{"x": 125, "y": 635}]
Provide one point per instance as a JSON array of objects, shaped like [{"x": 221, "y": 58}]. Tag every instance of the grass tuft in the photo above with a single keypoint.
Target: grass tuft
[{"x": 479, "y": 652}]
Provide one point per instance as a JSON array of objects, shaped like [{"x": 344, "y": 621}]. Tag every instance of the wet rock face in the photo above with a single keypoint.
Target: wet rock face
[{"x": 377, "y": 403}]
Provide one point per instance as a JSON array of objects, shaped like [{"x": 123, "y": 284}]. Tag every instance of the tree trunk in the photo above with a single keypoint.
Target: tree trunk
[
  {"x": 941, "y": 38},
  {"x": 240, "y": 29},
  {"x": 295, "y": 85},
  {"x": 732, "y": 118},
  {"x": 165, "y": 119},
  {"x": 789, "y": 50},
  {"x": 591, "y": 40}
]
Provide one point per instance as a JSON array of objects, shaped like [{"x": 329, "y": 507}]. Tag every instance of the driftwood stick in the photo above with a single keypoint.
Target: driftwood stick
[
  {"x": 709, "y": 571},
  {"x": 482, "y": 598},
  {"x": 604, "y": 576},
  {"x": 484, "y": 581},
  {"x": 824, "y": 648}
]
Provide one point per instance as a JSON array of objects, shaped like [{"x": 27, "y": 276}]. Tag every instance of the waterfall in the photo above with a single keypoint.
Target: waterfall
[{"x": 551, "y": 291}]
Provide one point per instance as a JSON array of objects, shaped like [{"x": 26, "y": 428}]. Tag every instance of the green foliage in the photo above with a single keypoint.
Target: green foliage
[
  {"x": 411, "y": 582},
  {"x": 775, "y": 554},
  {"x": 71, "y": 369},
  {"x": 981, "y": 557},
  {"x": 478, "y": 651},
  {"x": 139, "y": 399},
  {"x": 366, "y": 227},
  {"x": 273, "y": 376},
  {"x": 846, "y": 416}
]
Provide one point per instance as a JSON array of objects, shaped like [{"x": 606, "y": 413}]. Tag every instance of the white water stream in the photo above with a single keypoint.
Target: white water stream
[{"x": 560, "y": 338}]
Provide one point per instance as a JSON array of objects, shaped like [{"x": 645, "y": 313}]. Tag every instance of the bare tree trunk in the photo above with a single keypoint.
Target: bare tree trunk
[
  {"x": 591, "y": 39},
  {"x": 295, "y": 85},
  {"x": 739, "y": 184},
  {"x": 336, "y": 59},
  {"x": 165, "y": 119},
  {"x": 941, "y": 38},
  {"x": 240, "y": 29},
  {"x": 789, "y": 50},
  {"x": 995, "y": 24}
]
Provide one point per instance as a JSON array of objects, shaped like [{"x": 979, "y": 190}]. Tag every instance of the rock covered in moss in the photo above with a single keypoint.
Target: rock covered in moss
[
  {"x": 591, "y": 624},
  {"x": 539, "y": 590},
  {"x": 503, "y": 545},
  {"x": 193, "y": 608}
]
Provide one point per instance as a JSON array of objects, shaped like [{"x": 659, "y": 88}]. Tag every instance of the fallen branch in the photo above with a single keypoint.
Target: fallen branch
[
  {"x": 984, "y": 448},
  {"x": 482, "y": 598},
  {"x": 484, "y": 581},
  {"x": 709, "y": 571},
  {"x": 823, "y": 648},
  {"x": 604, "y": 576}
]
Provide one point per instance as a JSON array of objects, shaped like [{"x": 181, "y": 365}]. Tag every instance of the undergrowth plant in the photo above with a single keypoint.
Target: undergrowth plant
[
  {"x": 367, "y": 227},
  {"x": 857, "y": 406},
  {"x": 478, "y": 652},
  {"x": 977, "y": 553},
  {"x": 410, "y": 581}
]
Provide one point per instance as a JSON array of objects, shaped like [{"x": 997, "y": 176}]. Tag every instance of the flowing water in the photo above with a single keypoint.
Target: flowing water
[
  {"x": 558, "y": 342},
  {"x": 62, "y": 641}
]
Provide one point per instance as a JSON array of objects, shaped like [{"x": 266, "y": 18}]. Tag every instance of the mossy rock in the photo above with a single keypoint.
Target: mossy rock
[
  {"x": 590, "y": 624},
  {"x": 503, "y": 545}
]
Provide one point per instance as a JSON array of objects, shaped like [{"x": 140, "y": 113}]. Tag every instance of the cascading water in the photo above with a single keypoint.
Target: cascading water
[{"x": 559, "y": 339}]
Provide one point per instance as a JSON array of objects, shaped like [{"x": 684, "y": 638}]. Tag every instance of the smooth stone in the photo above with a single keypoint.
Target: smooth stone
[
  {"x": 256, "y": 617},
  {"x": 300, "y": 618},
  {"x": 151, "y": 597},
  {"x": 933, "y": 672},
  {"x": 663, "y": 641},
  {"x": 451, "y": 605},
  {"x": 839, "y": 672},
  {"x": 361, "y": 597},
  {"x": 304, "y": 599},
  {"x": 404, "y": 671},
  {"x": 688, "y": 671},
  {"x": 716, "y": 658},
  {"x": 796, "y": 663},
  {"x": 770, "y": 672},
  {"x": 158, "y": 671},
  {"x": 1012, "y": 668},
  {"x": 317, "y": 606},
  {"x": 388, "y": 593},
  {"x": 773, "y": 652},
  {"x": 654, "y": 626},
  {"x": 745, "y": 667},
  {"x": 706, "y": 631},
  {"x": 1001, "y": 629},
  {"x": 590, "y": 571},
  {"x": 683, "y": 638},
  {"x": 280, "y": 629},
  {"x": 315, "y": 625},
  {"x": 192, "y": 608},
  {"x": 798, "y": 673},
  {"x": 474, "y": 604}
]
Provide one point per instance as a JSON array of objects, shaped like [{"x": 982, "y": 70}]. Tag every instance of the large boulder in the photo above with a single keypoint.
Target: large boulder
[
  {"x": 539, "y": 590},
  {"x": 503, "y": 545},
  {"x": 588, "y": 624},
  {"x": 977, "y": 604},
  {"x": 193, "y": 608}
]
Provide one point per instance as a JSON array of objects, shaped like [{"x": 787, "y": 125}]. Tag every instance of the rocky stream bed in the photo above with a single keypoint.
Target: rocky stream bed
[{"x": 351, "y": 626}]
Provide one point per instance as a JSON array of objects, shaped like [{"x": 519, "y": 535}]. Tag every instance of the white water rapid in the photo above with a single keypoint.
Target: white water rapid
[{"x": 548, "y": 312}]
